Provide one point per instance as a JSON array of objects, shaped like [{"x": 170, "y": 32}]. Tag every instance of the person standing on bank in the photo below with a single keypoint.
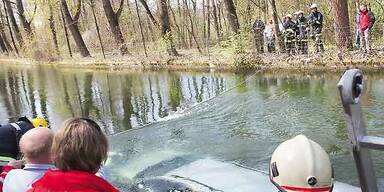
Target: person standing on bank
[
  {"x": 302, "y": 35},
  {"x": 258, "y": 31},
  {"x": 315, "y": 21},
  {"x": 366, "y": 21},
  {"x": 290, "y": 30},
  {"x": 270, "y": 36}
]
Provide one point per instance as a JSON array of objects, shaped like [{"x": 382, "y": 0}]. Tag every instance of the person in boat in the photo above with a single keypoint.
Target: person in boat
[
  {"x": 366, "y": 21},
  {"x": 10, "y": 135},
  {"x": 315, "y": 21},
  {"x": 78, "y": 151},
  {"x": 290, "y": 29},
  {"x": 300, "y": 164},
  {"x": 35, "y": 146}
]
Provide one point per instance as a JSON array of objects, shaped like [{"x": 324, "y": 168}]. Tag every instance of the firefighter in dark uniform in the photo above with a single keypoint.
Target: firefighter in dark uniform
[
  {"x": 258, "y": 32},
  {"x": 302, "y": 33},
  {"x": 290, "y": 29},
  {"x": 10, "y": 135},
  {"x": 315, "y": 21}
]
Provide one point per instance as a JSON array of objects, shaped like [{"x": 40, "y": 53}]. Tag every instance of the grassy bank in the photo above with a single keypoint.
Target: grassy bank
[{"x": 219, "y": 60}]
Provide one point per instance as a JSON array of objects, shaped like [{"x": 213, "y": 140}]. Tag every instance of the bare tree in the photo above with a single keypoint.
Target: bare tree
[
  {"x": 9, "y": 27},
  {"x": 113, "y": 20},
  {"x": 342, "y": 28},
  {"x": 166, "y": 32},
  {"x": 141, "y": 29},
  {"x": 72, "y": 23},
  {"x": 66, "y": 32},
  {"x": 92, "y": 4},
  {"x": 12, "y": 21},
  {"x": 3, "y": 23},
  {"x": 216, "y": 20},
  {"x": 23, "y": 20},
  {"x": 279, "y": 38},
  {"x": 53, "y": 28},
  {"x": 150, "y": 15},
  {"x": 232, "y": 16}
]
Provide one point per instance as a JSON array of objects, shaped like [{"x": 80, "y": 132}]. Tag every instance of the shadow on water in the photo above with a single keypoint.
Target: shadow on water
[{"x": 243, "y": 125}]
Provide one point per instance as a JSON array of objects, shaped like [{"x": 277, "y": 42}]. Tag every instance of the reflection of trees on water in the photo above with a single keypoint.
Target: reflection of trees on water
[{"x": 118, "y": 101}]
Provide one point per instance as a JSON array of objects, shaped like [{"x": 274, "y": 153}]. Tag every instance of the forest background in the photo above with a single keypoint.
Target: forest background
[{"x": 162, "y": 30}]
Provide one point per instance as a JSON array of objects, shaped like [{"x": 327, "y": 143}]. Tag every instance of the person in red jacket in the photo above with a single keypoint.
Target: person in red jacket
[
  {"x": 366, "y": 21},
  {"x": 78, "y": 151}
]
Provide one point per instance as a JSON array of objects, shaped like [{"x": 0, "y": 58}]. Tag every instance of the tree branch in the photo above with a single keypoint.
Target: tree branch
[
  {"x": 78, "y": 11},
  {"x": 33, "y": 16},
  {"x": 145, "y": 5},
  {"x": 120, "y": 10},
  {"x": 11, "y": 2}
]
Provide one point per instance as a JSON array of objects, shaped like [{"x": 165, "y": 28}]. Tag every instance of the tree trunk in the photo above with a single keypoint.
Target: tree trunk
[
  {"x": 2, "y": 32},
  {"x": 266, "y": 10},
  {"x": 12, "y": 22},
  {"x": 215, "y": 20},
  {"x": 279, "y": 38},
  {"x": 66, "y": 33},
  {"x": 150, "y": 15},
  {"x": 298, "y": 5},
  {"x": 53, "y": 29},
  {"x": 74, "y": 28},
  {"x": 113, "y": 20},
  {"x": 179, "y": 32},
  {"x": 2, "y": 45},
  {"x": 232, "y": 16},
  {"x": 192, "y": 32},
  {"x": 9, "y": 27},
  {"x": 342, "y": 28},
  {"x": 141, "y": 29},
  {"x": 97, "y": 27},
  {"x": 23, "y": 20},
  {"x": 166, "y": 28},
  {"x": 208, "y": 23}
]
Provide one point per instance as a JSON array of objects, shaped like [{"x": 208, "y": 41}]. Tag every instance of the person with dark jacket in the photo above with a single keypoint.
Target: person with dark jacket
[
  {"x": 290, "y": 30},
  {"x": 366, "y": 21},
  {"x": 10, "y": 135},
  {"x": 302, "y": 33},
  {"x": 315, "y": 21}
]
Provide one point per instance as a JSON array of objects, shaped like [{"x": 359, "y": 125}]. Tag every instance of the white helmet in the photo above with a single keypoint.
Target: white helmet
[
  {"x": 300, "y": 164},
  {"x": 314, "y": 6},
  {"x": 289, "y": 16},
  {"x": 300, "y": 12}
]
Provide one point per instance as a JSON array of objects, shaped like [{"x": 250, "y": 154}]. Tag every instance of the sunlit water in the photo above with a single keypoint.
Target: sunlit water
[{"x": 152, "y": 116}]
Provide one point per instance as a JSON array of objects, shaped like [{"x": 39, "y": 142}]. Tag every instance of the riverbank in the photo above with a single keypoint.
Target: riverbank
[{"x": 219, "y": 60}]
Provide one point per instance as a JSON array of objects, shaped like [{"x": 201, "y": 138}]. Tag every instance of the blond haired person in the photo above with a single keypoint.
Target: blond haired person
[{"x": 78, "y": 151}]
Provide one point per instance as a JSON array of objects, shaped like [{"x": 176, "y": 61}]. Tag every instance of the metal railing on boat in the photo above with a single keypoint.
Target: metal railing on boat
[{"x": 351, "y": 89}]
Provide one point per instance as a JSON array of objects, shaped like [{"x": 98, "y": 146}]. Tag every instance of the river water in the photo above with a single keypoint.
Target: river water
[{"x": 151, "y": 116}]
